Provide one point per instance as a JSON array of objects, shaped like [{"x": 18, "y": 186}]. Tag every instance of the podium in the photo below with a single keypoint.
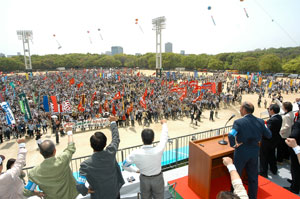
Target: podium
[{"x": 205, "y": 163}]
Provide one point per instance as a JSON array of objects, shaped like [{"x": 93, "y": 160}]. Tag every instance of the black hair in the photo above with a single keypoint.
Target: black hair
[
  {"x": 227, "y": 195},
  {"x": 248, "y": 107},
  {"x": 9, "y": 163},
  {"x": 98, "y": 141},
  {"x": 275, "y": 108},
  {"x": 47, "y": 148},
  {"x": 147, "y": 136},
  {"x": 288, "y": 106}
]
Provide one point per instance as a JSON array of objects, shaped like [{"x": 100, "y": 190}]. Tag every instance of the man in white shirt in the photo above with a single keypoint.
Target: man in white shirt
[
  {"x": 11, "y": 186},
  {"x": 148, "y": 161}
]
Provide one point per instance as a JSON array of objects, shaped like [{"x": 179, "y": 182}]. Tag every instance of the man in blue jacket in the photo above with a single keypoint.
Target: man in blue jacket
[{"x": 245, "y": 136}]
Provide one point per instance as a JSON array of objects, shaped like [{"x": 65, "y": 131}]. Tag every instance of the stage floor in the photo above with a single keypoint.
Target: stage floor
[{"x": 266, "y": 189}]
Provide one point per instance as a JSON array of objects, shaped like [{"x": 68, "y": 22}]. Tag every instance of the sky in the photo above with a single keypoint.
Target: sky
[{"x": 188, "y": 25}]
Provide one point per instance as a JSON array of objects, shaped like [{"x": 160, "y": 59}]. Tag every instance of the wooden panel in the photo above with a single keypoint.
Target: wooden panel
[
  {"x": 199, "y": 171},
  {"x": 205, "y": 163}
]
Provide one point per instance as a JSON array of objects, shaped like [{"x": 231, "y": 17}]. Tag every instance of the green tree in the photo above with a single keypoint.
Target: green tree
[
  {"x": 249, "y": 64},
  {"x": 270, "y": 63},
  {"x": 293, "y": 66},
  {"x": 215, "y": 64}
]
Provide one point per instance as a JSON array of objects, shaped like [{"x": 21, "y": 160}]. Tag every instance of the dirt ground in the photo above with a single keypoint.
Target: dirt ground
[{"x": 130, "y": 136}]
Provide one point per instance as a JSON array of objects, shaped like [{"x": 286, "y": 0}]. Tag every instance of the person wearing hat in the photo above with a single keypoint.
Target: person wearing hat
[{"x": 11, "y": 185}]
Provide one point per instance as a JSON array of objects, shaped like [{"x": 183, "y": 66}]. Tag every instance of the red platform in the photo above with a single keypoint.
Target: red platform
[{"x": 266, "y": 189}]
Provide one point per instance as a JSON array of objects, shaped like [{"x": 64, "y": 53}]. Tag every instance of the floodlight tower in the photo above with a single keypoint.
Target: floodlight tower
[
  {"x": 158, "y": 25},
  {"x": 25, "y": 36}
]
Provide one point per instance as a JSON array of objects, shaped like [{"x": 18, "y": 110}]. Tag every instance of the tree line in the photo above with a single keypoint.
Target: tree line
[{"x": 266, "y": 60}]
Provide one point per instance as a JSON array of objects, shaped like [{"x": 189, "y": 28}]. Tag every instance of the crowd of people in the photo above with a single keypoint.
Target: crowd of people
[
  {"x": 54, "y": 98},
  {"x": 131, "y": 97}
]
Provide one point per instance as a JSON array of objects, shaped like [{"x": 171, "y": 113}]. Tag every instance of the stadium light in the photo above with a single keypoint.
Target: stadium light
[
  {"x": 158, "y": 24},
  {"x": 25, "y": 36}
]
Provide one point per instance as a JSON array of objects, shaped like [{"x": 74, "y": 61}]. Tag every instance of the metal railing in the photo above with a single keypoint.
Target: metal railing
[{"x": 175, "y": 155}]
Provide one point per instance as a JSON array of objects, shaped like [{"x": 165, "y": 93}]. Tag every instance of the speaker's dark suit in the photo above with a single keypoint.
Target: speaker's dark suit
[
  {"x": 267, "y": 148},
  {"x": 248, "y": 130},
  {"x": 295, "y": 166}
]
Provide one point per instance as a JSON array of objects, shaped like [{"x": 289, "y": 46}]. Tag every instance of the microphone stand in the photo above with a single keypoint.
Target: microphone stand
[{"x": 223, "y": 142}]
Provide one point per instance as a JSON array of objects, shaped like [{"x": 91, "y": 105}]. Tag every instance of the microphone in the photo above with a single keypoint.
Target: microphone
[{"x": 223, "y": 142}]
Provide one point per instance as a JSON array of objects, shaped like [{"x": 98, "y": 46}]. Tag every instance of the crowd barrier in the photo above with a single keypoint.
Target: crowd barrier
[{"x": 175, "y": 155}]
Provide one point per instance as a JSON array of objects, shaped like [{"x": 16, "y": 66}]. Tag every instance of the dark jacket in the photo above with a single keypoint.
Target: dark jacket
[
  {"x": 102, "y": 171},
  {"x": 274, "y": 124},
  {"x": 249, "y": 131}
]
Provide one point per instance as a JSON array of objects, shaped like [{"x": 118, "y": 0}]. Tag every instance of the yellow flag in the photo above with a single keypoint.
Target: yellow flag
[
  {"x": 26, "y": 74},
  {"x": 270, "y": 85},
  {"x": 100, "y": 74},
  {"x": 291, "y": 83},
  {"x": 246, "y": 77}
]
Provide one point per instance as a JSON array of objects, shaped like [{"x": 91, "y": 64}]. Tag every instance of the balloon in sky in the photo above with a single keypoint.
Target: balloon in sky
[
  {"x": 212, "y": 18},
  {"x": 88, "y": 32},
  {"x": 100, "y": 33},
  {"x": 59, "y": 46},
  {"x": 137, "y": 23},
  {"x": 246, "y": 13}
]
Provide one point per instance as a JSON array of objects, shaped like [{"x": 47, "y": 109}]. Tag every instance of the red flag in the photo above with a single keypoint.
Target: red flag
[
  {"x": 184, "y": 82},
  {"x": 45, "y": 78},
  {"x": 55, "y": 105},
  {"x": 138, "y": 74},
  {"x": 152, "y": 81},
  {"x": 117, "y": 96},
  {"x": 59, "y": 80},
  {"x": 145, "y": 94},
  {"x": 152, "y": 92},
  {"x": 193, "y": 83},
  {"x": 80, "y": 107},
  {"x": 198, "y": 98},
  {"x": 143, "y": 103},
  {"x": 93, "y": 97},
  {"x": 174, "y": 89},
  {"x": 162, "y": 83},
  {"x": 79, "y": 85},
  {"x": 72, "y": 81},
  {"x": 105, "y": 106},
  {"x": 114, "y": 110},
  {"x": 100, "y": 109}
]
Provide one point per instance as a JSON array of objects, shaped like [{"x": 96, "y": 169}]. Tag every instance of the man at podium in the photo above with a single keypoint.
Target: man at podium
[{"x": 245, "y": 135}]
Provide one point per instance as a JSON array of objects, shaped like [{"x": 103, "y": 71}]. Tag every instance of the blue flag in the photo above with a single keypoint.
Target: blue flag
[{"x": 46, "y": 103}]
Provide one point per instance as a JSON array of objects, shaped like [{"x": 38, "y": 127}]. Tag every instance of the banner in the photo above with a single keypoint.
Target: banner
[
  {"x": 195, "y": 74},
  {"x": 220, "y": 87},
  {"x": 24, "y": 100},
  {"x": 168, "y": 75},
  {"x": 270, "y": 85},
  {"x": 55, "y": 105},
  {"x": 46, "y": 103},
  {"x": 9, "y": 115},
  {"x": 22, "y": 107}
]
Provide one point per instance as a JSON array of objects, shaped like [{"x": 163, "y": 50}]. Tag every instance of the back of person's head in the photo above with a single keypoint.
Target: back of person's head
[
  {"x": 98, "y": 141},
  {"x": 288, "y": 106},
  {"x": 147, "y": 136},
  {"x": 275, "y": 108},
  {"x": 248, "y": 107},
  {"x": 227, "y": 195},
  {"x": 10, "y": 163},
  {"x": 47, "y": 149}
]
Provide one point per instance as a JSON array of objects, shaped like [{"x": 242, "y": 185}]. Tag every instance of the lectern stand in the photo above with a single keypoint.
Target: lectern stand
[{"x": 205, "y": 164}]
